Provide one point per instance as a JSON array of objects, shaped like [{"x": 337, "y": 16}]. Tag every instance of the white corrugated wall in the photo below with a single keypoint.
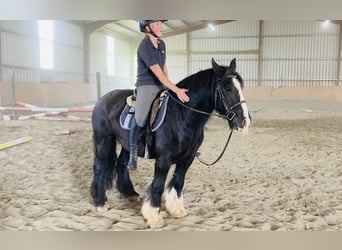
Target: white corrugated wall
[
  {"x": 177, "y": 57},
  {"x": 69, "y": 52},
  {"x": 269, "y": 53},
  {"x": 20, "y": 52},
  {"x": 232, "y": 40},
  {"x": 123, "y": 65},
  {"x": 300, "y": 53},
  {"x": 19, "y": 49},
  {"x": 289, "y": 53},
  {"x": 235, "y": 39}
]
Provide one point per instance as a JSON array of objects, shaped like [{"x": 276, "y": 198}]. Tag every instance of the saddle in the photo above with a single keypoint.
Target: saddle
[{"x": 157, "y": 112}]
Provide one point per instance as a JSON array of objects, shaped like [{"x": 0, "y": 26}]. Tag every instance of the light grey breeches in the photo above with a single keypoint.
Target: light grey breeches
[{"x": 145, "y": 96}]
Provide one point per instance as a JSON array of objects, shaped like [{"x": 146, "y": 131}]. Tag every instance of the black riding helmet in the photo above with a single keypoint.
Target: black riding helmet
[{"x": 144, "y": 23}]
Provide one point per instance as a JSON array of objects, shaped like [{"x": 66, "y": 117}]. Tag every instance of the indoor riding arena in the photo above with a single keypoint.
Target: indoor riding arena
[{"x": 284, "y": 175}]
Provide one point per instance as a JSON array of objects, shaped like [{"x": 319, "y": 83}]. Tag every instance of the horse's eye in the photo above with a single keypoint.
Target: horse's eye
[{"x": 229, "y": 89}]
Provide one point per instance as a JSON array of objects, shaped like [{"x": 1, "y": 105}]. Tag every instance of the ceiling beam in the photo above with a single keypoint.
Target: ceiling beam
[
  {"x": 93, "y": 26},
  {"x": 135, "y": 31},
  {"x": 195, "y": 27},
  {"x": 336, "y": 21}
]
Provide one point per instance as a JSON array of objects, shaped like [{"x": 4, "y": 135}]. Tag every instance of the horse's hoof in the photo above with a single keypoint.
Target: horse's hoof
[
  {"x": 152, "y": 215},
  {"x": 175, "y": 204},
  {"x": 156, "y": 222},
  {"x": 179, "y": 213},
  {"x": 101, "y": 209},
  {"x": 136, "y": 198}
]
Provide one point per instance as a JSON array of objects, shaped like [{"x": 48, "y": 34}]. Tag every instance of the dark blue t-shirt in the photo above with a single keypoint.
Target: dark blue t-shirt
[{"x": 147, "y": 56}]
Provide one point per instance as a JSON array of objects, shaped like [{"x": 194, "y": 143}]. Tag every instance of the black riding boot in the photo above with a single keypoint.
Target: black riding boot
[{"x": 134, "y": 134}]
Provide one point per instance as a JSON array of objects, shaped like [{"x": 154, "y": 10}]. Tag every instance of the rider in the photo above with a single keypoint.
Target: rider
[{"x": 152, "y": 76}]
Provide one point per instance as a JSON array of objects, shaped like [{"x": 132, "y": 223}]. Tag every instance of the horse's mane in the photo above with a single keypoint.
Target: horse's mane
[
  {"x": 197, "y": 80},
  {"x": 201, "y": 78},
  {"x": 201, "y": 90}
]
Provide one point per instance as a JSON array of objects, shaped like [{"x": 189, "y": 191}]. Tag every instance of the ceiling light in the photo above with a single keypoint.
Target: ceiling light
[
  {"x": 326, "y": 23},
  {"x": 212, "y": 27}
]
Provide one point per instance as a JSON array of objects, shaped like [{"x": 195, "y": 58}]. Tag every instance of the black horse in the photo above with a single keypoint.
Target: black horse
[{"x": 175, "y": 142}]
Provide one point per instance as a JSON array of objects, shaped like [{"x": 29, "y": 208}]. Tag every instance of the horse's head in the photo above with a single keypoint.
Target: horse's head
[{"x": 229, "y": 99}]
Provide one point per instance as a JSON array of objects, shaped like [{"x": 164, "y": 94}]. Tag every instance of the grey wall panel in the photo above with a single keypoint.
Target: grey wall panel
[{"x": 19, "y": 51}]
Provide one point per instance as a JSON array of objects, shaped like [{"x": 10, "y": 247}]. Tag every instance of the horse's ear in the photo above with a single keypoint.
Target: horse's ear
[
  {"x": 232, "y": 65},
  {"x": 217, "y": 68}
]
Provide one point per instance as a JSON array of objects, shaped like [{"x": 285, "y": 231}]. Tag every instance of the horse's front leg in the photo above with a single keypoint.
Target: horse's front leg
[
  {"x": 151, "y": 207},
  {"x": 173, "y": 195}
]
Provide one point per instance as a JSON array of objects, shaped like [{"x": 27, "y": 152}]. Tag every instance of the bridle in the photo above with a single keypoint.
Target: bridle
[{"x": 230, "y": 114}]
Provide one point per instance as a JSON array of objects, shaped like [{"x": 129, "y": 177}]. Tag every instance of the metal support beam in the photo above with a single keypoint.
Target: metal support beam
[
  {"x": 224, "y": 52},
  {"x": 188, "y": 61},
  {"x": 260, "y": 52},
  {"x": 98, "y": 85},
  {"x": 0, "y": 59},
  {"x": 338, "y": 83},
  {"x": 195, "y": 27},
  {"x": 13, "y": 88},
  {"x": 86, "y": 57}
]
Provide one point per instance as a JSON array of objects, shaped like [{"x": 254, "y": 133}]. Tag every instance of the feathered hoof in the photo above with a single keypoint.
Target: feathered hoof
[
  {"x": 175, "y": 204},
  {"x": 179, "y": 212},
  {"x": 156, "y": 222},
  {"x": 152, "y": 215}
]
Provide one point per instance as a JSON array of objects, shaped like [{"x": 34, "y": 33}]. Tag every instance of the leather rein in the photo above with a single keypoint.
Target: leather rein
[{"x": 230, "y": 115}]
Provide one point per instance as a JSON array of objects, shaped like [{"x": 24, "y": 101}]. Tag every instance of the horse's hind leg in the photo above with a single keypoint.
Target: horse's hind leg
[
  {"x": 104, "y": 163},
  {"x": 123, "y": 183},
  {"x": 173, "y": 195},
  {"x": 111, "y": 166}
]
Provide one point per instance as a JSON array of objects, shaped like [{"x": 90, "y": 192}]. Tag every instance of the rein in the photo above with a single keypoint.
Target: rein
[
  {"x": 220, "y": 156},
  {"x": 193, "y": 109},
  {"x": 229, "y": 116}
]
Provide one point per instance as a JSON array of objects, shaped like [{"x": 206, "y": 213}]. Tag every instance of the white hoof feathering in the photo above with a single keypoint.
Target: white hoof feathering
[
  {"x": 101, "y": 209},
  {"x": 175, "y": 204},
  {"x": 152, "y": 215}
]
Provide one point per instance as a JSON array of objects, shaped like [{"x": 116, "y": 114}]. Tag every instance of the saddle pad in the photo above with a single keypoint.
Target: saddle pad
[
  {"x": 160, "y": 114},
  {"x": 126, "y": 117},
  {"x": 128, "y": 113}
]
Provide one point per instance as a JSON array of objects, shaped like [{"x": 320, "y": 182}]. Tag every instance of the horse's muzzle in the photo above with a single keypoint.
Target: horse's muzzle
[{"x": 245, "y": 125}]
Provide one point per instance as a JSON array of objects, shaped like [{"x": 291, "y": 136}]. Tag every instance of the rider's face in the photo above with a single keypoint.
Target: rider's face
[{"x": 157, "y": 28}]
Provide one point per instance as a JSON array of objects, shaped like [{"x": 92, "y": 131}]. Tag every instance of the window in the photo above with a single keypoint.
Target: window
[
  {"x": 110, "y": 56},
  {"x": 46, "y": 36}
]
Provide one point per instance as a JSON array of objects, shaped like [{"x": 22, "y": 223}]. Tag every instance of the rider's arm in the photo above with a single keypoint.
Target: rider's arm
[{"x": 162, "y": 77}]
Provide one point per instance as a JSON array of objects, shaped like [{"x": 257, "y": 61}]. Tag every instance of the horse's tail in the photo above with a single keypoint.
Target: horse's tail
[
  {"x": 105, "y": 154},
  {"x": 105, "y": 157}
]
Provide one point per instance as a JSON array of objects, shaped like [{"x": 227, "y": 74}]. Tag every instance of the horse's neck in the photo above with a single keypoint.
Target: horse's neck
[
  {"x": 200, "y": 107},
  {"x": 203, "y": 98}
]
